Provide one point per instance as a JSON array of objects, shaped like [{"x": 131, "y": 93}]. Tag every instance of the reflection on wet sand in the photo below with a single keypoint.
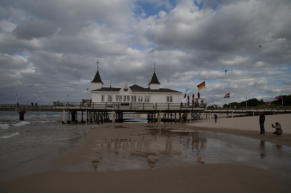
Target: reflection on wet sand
[
  {"x": 263, "y": 149},
  {"x": 96, "y": 161},
  {"x": 152, "y": 148},
  {"x": 145, "y": 150}
]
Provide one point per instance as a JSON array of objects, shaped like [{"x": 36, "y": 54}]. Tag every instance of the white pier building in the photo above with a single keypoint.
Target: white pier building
[{"x": 133, "y": 94}]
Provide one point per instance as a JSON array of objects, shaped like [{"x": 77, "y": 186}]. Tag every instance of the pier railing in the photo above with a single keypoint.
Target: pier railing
[
  {"x": 132, "y": 107},
  {"x": 101, "y": 106},
  {"x": 128, "y": 106}
]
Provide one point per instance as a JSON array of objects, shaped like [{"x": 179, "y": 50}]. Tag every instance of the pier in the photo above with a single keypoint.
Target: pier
[{"x": 106, "y": 112}]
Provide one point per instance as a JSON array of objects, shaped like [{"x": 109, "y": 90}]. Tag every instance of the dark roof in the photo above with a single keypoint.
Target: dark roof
[
  {"x": 164, "y": 90},
  {"x": 154, "y": 79},
  {"x": 97, "y": 78},
  {"x": 108, "y": 89},
  {"x": 137, "y": 88}
]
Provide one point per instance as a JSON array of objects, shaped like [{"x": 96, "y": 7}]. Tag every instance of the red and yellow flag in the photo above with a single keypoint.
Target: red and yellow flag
[{"x": 201, "y": 85}]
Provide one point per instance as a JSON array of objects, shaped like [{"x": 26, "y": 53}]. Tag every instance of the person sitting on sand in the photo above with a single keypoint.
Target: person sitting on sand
[{"x": 278, "y": 129}]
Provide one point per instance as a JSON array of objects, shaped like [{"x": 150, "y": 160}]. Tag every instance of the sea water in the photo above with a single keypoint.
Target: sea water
[{"x": 28, "y": 147}]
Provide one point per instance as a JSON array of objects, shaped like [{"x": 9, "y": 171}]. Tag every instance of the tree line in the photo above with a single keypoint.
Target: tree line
[{"x": 254, "y": 102}]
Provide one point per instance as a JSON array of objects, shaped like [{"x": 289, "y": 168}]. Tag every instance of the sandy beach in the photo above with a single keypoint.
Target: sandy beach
[
  {"x": 80, "y": 171},
  {"x": 204, "y": 178},
  {"x": 249, "y": 126}
]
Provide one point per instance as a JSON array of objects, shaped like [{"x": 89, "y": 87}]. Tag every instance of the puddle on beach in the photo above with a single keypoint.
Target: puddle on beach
[{"x": 155, "y": 149}]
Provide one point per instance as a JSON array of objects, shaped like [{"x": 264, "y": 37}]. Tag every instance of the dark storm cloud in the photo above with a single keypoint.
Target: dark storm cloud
[
  {"x": 35, "y": 29},
  {"x": 49, "y": 48}
]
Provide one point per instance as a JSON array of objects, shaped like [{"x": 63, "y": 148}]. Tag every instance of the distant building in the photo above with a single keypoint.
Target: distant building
[{"x": 134, "y": 93}]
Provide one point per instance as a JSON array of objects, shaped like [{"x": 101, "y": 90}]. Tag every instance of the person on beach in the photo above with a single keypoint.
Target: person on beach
[
  {"x": 262, "y": 121},
  {"x": 215, "y": 118},
  {"x": 278, "y": 129}
]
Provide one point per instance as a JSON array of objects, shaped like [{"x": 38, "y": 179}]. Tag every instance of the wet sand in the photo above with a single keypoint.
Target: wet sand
[
  {"x": 249, "y": 127},
  {"x": 68, "y": 176},
  {"x": 202, "y": 178}
]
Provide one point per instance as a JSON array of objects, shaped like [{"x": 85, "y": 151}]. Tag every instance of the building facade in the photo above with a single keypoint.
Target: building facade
[{"x": 134, "y": 93}]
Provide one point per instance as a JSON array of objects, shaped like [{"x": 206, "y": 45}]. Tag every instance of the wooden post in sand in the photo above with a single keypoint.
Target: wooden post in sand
[
  {"x": 159, "y": 118},
  {"x": 87, "y": 118},
  {"x": 82, "y": 118},
  {"x": 64, "y": 117},
  {"x": 69, "y": 118},
  {"x": 97, "y": 118},
  {"x": 113, "y": 117}
]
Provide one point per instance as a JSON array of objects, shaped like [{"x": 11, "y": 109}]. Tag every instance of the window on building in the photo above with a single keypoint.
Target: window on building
[
  {"x": 133, "y": 98},
  {"x": 169, "y": 98},
  {"x": 147, "y": 99},
  {"x": 118, "y": 98},
  {"x": 102, "y": 98},
  {"x": 109, "y": 98},
  {"x": 127, "y": 98},
  {"x": 140, "y": 99},
  {"x": 124, "y": 98}
]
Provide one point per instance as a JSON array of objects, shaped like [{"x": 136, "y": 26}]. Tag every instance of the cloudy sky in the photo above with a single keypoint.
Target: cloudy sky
[{"x": 49, "y": 49}]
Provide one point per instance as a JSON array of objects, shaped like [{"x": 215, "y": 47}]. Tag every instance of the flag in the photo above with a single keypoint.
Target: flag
[
  {"x": 227, "y": 95},
  {"x": 198, "y": 95},
  {"x": 193, "y": 99},
  {"x": 201, "y": 85}
]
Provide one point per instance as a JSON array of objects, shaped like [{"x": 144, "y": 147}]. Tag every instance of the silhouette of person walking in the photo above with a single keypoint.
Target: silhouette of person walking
[
  {"x": 215, "y": 118},
  {"x": 262, "y": 121}
]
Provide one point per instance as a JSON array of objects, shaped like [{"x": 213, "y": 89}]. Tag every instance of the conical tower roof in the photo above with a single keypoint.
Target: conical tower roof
[
  {"x": 97, "y": 78},
  {"x": 154, "y": 79}
]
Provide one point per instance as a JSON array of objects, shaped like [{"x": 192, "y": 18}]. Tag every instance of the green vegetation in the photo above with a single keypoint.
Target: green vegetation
[{"x": 255, "y": 103}]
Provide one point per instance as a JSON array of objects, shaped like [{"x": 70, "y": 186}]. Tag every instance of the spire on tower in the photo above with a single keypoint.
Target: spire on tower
[{"x": 97, "y": 77}]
